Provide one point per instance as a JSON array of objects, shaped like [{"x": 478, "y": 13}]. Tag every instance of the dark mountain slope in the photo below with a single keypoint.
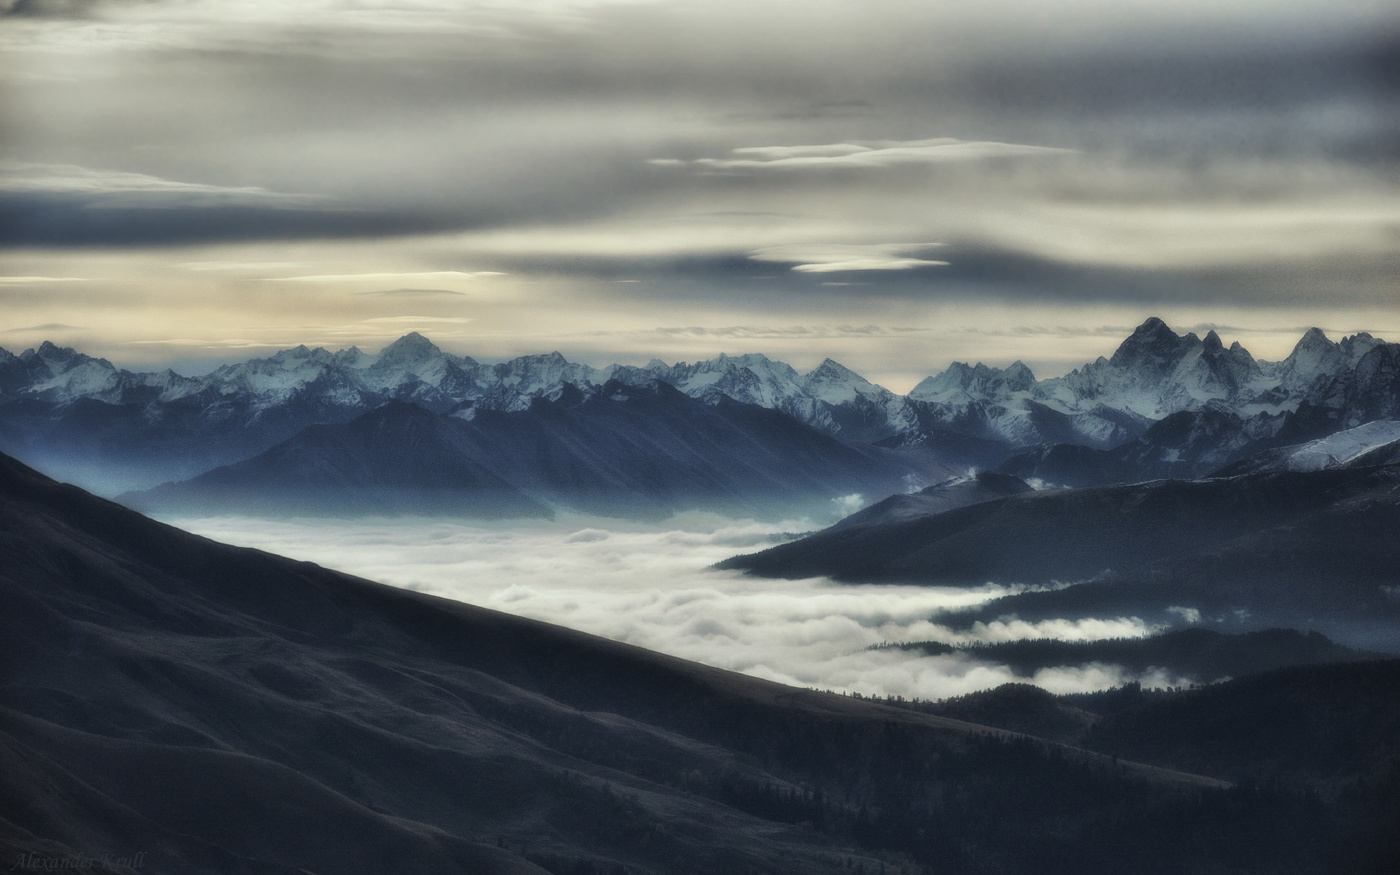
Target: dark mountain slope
[
  {"x": 225, "y": 710},
  {"x": 948, "y": 495},
  {"x": 1315, "y": 550},
  {"x": 1330, "y": 730},
  {"x": 1187, "y": 444},
  {"x": 398, "y": 458},
  {"x": 1319, "y": 724},
  {"x": 623, "y": 449},
  {"x": 1065, "y": 534},
  {"x": 1332, "y": 570}
]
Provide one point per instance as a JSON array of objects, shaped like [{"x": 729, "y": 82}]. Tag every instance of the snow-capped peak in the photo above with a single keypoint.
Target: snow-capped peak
[
  {"x": 962, "y": 382},
  {"x": 835, "y": 383},
  {"x": 1153, "y": 348},
  {"x": 412, "y": 348}
]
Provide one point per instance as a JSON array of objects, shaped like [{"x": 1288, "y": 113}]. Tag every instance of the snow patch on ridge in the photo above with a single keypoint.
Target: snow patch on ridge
[{"x": 1343, "y": 447}]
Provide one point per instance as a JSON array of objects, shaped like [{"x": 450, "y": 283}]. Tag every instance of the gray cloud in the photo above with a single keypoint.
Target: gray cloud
[{"x": 1225, "y": 157}]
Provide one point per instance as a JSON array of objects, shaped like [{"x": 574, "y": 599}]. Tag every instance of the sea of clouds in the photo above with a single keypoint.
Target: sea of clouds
[{"x": 651, "y": 584}]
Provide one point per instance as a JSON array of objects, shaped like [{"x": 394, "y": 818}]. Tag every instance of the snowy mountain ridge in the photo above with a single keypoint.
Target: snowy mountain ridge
[{"x": 1321, "y": 387}]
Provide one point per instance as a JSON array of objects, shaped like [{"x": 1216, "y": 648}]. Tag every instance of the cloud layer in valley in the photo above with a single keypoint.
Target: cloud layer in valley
[{"x": 651, "y": 585}]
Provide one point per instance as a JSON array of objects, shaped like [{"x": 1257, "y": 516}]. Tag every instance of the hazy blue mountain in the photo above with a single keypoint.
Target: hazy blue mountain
[{"x": 618, "y": 449}]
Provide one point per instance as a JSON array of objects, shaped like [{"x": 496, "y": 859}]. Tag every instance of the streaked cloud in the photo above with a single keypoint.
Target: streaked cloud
[
  {"x": 874, "y": 154},
  {"x": 116, "y": 188},
  {"x": 47, "y": 326},
  {"x": 765, "y": 332},
  {"x": 412, "y": 293},
  {"x": 828, "y": 258},
  {"x": 204, "y": 266},
  {"x": 423, "y": 276},
  {"x": 425, "y": 320},
  {"x": 37, "y": 280}
]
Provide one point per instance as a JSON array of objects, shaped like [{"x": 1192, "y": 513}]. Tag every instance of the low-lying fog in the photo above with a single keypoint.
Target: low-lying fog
[{"x": 651, "y": 585}]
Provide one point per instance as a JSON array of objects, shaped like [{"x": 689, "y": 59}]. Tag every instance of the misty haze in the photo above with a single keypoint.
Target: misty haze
[{"x": 651, "y": 585}]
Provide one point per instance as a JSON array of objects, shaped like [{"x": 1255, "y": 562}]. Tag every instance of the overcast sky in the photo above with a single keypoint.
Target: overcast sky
[{"x": 892, "y": 184}]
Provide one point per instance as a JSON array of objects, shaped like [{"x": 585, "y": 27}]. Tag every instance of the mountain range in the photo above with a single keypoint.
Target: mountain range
[
  {"x": 1162, "y": 405},
  {"x": 173, "y": 705},
  {"x": 626, "y": 450}
]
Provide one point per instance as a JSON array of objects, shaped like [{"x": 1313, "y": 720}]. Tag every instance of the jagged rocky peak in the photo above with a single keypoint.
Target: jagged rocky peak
[
  {"x": 61, "y": 359},
  {"x": 539, "y": 360},
  {"x": 834, "y": 383},
  {"x": 1313, "y": 337},
  {"x": 48, "y": 352},
  {"x": 1019, "y": 377},
  {"x": 1235, "y": 361},
  {"x": 831, "y": 372},
  {"x": 1316, "y": 352},
  {"x": 1314, "y": 360},
  {"x": 412, "y": 347},
  {"x": 301, "y": 354},
  {"x": 756, "y": 362},
  {"x": 748, "y": 359},
  {"x": 977, "y": 380},
  {"x": 536, "y": 373},
  {"x": 1312, "y": 347},
  {"x": 1358, "y": 346},
  {"x": 834, "y": 368},
  {"x": 352, "y": 358},
  {"x": 1153, "y": 346}
]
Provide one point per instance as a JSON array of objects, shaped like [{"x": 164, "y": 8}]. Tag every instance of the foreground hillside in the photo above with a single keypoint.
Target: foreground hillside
[{"x": 223, "y": 710}]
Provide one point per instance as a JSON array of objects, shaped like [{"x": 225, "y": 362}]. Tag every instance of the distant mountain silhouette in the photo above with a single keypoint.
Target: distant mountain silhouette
[
  {"x": 620, "y": 450},
  {"x": 1315, "y": 549}
]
